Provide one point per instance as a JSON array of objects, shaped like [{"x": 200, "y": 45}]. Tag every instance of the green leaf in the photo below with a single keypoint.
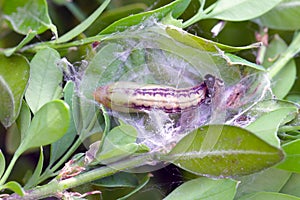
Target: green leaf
[
  {"x": 120, "y": 142},
  {"x": 48, "y": 125},
  {"x": 292, "y": 160},
  {"x": 205, "y": 188},
  {"x": 45, "y": 79},
  {"x": 15, "y": 133},
  {"x": 270, "y": 180},
  {"x": 59, "y": 147},
  {"x": 14, "y": 75},
  {"x": 268, "y": 196},
  {"x": 292, "y": 186},
  {"x": 208, "y": 45},
  {"x": 231, "y": 150},
  {"x": 115, "y": 153},
  {"x": 83, "y": 25},
  {"x": 293, "y": 98},
  {"x": 6, "y": 104},
  {"x": 33, "y": 181},
  {"x": 235, "y": 60},
  {"x": 13, "y": 186},
  {"x": 120, "y": 135},
  {"x": 2, "y": 163},
  {"x": 112, "y": 15},
  {"x": 266, "y": 126},
  {"x": 284, "y": 80},
  {"x": 176, "y": 8},
  {"x": 283, "y": 17},
  {"x": 24, "y": 119},
  {"x": 13, "y": 138},
  {"x": 29, "y": 36},
  {"x": 259, "y": 109},
  {"x": 144, "y": 182},
  {"x": 285, "y": 57},
  {"x": 121, "y": 179},
  {"x": 28, "y": 15},
  {"x": 240, "y": 10}
]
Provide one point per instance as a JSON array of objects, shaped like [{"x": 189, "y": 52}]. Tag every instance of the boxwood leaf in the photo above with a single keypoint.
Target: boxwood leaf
[
  {"x": 84, "y": 25},
  {"x": 24, "y": 119},
  {"x": 235, "y": 60},
  {"x": 119, "y": 142},
  {"x": 240, "y": 10},
  {"x": 14, "y": 75},
  {"x": 292, "y": 186},
  {"x": 283, "y": 81},
  {"x": 266, "y": 125},
  {"x": 268, "y": 196},
  {"x": 2, "y": 163},
  {"x": 59, "y": 147},
  {"x": 270, "y": 180},
  {"x": 292, "y": 160},
  {"x": 175, "y": 7},
  {"x": 121, "y": 179},
  {"x": 208, "y": 45},
  {"x": 48, "y": 125},
  {"x": 28, "y": 15},
  {"x": 277, "y": 18},
  {"x": 230, "y": 150},
  {"x": 15, "y": 133},
  {"x": 29, "y": 36},
  {"x": 45, "y": 79},
  {"x": 37, "y": 172},
  {"x": 267, "y": 116},
  {"x": 13, "y": 186},
  {"x": 112, "y": 15},
  {"x": 205, "y": 188}
]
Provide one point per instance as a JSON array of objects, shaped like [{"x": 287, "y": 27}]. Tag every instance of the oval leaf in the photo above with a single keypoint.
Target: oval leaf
[
  {"x": 240, "y": 10},
  {"x": 284, "y": 80},
  {"x": 205, "y": 188},
  {"x": 48, "y": 125},
  {"x": 268, "y": 196},
  {"x": 14, "y": 75},
  {"x": 45, "y": 79},
  {"x": 112, "y": 15},
  {"x": 292, "y": 160},
  {"x": 266, "y": 125},
  {"x": 13, "y": 186},
  {"x": 28, "y": 38},
  {"x": 199, "y": 42},
  {"x": 84, "y": 25},
  {"x": 6, "y": 103},
  {"x": 28, "y": 15},
  {"x": 270, "y": 180},
  {"x": 284, "y": 16},
  {"x": 235, "y": 60},
  {"x": 33, "y": 180},
  {"x": 292, "y": 186},
  {"x": 120, "y": 135},
  {"x": 16, "y": 131},
  {"x": 121, "y": 179},
  {"x": 24, "y": 119},
  {"x": 231, "y": 150},
  {"x": 176, "y": 8},
  {"x": 2, "y": 163},
  {"x": 59, "y": 147}
]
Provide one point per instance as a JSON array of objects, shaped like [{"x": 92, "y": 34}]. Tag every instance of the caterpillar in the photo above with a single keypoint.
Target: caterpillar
[{"x": 133, "y": 97}]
